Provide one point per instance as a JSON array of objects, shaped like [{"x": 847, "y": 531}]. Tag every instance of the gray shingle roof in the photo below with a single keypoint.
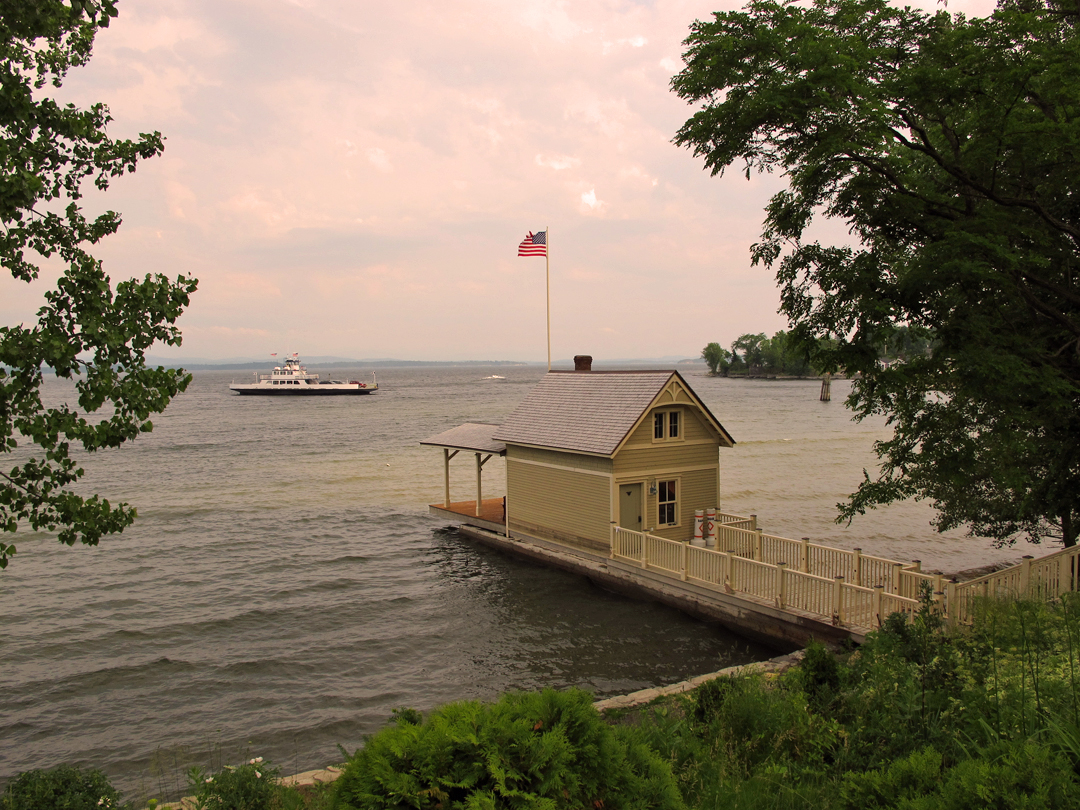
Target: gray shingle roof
[
  {"x": 585, "y": 412},
  {"x": 470, "y": 436}
]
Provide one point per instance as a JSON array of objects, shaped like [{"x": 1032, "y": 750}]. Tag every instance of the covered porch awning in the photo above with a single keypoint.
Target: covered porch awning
[{"x": 475, "y": 438}]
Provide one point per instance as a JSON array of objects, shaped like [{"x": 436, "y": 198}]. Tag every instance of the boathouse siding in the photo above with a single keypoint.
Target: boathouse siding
[
  {"x": 580, "y": 436},
  {"x": 580, "y": 483},
  {"x": 559, "y": 496}
]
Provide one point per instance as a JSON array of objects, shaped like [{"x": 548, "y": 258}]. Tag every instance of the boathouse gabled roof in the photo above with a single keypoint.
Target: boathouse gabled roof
[
  {"x": 593, "y": 411},
  {"x": 473, "y": 436}
]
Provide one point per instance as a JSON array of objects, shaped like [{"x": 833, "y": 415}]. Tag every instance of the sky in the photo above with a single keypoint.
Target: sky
[{"x": 353, "y": 179}]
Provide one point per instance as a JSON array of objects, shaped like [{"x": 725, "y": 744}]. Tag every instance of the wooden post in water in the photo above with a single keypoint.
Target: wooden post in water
[{"x": 826, "y": 386}]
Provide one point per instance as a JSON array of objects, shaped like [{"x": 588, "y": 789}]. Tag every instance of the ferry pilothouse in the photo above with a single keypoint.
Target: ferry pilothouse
[{"x": 292, "y": 379}]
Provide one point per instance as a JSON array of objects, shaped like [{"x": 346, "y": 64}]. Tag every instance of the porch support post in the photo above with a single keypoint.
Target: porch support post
[
  {"x": 479, "y": 486},
  {"x": 446, "y": 476}
]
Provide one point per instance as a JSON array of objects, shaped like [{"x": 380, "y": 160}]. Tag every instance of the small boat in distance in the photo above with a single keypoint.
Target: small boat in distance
[{"x": 293, "y": 379}]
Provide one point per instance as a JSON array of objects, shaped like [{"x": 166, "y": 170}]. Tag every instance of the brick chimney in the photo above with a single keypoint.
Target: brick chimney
[{"x": 582, "y": 362}]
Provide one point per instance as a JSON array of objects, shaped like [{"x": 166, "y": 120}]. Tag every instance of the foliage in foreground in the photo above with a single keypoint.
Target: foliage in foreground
[
  {"x": 531, "y": 750},
  {"x": 918, "y": 717},
  {"x": 86, "y": 329},
  {"x": 251, "y": 786},
  {"x": 64, "y": 787},
  {"x": 949, "y": 147}
]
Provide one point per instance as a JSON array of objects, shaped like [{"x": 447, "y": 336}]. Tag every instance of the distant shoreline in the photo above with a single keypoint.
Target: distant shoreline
[{"x": 335, "y": 364}]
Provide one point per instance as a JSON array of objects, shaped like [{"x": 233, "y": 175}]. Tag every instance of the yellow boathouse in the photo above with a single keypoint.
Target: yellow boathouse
[{"x": 588, "y": 449}]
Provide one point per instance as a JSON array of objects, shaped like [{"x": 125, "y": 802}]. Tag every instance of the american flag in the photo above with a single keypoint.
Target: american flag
[{"x": 535, "y": 244}]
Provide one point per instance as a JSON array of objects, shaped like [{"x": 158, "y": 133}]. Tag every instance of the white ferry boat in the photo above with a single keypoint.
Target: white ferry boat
[{"x": 293, "y": 379}]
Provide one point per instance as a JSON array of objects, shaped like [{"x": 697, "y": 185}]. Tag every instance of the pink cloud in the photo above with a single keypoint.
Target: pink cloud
[{"x": 390, "y": 161}]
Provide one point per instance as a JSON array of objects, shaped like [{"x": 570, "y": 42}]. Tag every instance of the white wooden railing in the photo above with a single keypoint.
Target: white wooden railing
[
  {"x": 1044, "y": 578},
  {"x": 847, "y": 588}
]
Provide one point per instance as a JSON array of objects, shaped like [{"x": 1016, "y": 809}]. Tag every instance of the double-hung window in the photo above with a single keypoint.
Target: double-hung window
[
  {"x": 666, "y": 425},
  {"x": 667, "y": 503}
]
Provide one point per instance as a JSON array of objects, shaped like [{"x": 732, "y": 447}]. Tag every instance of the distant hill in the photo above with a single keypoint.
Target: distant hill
[{"x": 247, "y": 364}]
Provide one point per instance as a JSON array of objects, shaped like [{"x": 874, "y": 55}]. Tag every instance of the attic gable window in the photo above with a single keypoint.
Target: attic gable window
[{"x": 667, "y": 426}]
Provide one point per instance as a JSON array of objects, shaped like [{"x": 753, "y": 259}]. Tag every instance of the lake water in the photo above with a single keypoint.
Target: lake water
[{"x": 284, "y": 588}]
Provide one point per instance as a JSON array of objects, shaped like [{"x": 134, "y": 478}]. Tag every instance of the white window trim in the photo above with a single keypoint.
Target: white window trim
[{"x": 678, "y": 501}]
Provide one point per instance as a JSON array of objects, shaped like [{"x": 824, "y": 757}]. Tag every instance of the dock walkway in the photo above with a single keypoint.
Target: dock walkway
[{"x": 774, "y": 589}]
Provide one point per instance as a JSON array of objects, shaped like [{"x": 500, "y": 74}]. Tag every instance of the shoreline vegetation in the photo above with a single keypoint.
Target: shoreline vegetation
[
  {"x": 920, "y": 716},
  {"x": 783, "y": 356}
]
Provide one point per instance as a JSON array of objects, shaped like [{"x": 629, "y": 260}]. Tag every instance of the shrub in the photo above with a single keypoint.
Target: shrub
[
  {"x": 64, "y": 787},
  {"x": 754, "y": 721},
  {"x": 1020, "y": 774},
  {"x": 251, "y": 786},
  {"x": 819, "y": 676},
  {"x": 545, "y": 749}
]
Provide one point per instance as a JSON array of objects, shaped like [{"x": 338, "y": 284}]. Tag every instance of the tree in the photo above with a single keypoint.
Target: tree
[
  {"x": 85, "y": 330},
  {"x": 950, "y": 147},
  {"x": 905, "y": 344},
  {"x": 782, "y": 355},
  {"x": 751, "y": 348},
  {"x": 717, "y": 358}
]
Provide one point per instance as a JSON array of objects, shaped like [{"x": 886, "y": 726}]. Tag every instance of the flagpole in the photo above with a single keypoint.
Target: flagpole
[{"x": 547, "y": 260}]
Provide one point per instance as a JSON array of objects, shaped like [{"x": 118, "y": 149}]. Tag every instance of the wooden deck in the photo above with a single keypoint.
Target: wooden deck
[{"x": 492, "y": 515}]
